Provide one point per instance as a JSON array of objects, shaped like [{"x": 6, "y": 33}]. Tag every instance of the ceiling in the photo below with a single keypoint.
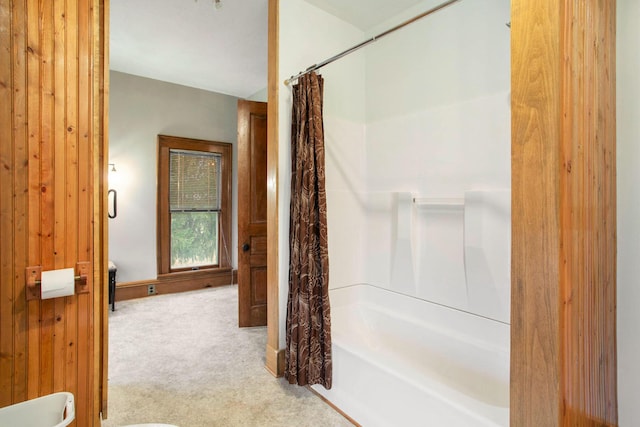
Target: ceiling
[
  {"x": 224, "y": 50},
  {"x": 364, "y": 14}
]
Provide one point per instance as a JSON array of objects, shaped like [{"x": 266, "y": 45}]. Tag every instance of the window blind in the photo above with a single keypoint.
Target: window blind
[{"x": 194, "y": 180}]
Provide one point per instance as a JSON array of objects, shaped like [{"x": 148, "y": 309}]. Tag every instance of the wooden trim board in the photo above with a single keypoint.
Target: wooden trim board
[
  {"x": 563, "y": 350},
  {"x": 175, "y": 283},
  {"x": 273, "y": 361}
]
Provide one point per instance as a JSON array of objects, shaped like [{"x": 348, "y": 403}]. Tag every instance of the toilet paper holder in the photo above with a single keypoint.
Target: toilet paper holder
[{"x": 33, "y": 275}]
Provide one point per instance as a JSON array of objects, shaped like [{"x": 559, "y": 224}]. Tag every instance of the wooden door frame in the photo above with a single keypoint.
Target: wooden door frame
[
  {"x": 101, "y": 227},
  {"x": 274, "y": 354},
  {"x": 538, "y": 29},
  {"x": 563, "y": 267}
]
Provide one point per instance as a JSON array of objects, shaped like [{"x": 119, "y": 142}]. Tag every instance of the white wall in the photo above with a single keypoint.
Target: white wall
[
  {"x": 628, "y": 151},
  {"x": 309, "y": 35},
  {"x": 140, "y": 110},
  {"x": 259, "y": 96}
]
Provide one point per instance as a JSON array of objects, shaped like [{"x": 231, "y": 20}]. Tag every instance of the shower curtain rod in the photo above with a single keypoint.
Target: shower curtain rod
[{"x": 366, "y": 42}]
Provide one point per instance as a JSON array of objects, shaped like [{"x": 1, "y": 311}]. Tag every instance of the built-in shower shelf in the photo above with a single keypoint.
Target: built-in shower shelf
[{"x": 438, "y": 204}]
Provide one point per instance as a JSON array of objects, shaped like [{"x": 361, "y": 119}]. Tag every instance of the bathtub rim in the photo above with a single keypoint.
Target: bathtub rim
[{"x": 482, "y": 410}]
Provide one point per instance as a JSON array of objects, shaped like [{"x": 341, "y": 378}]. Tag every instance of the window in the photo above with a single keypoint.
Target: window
[
  {"x": 194, "y": 211},
  {"x": 193, "y": 208}
]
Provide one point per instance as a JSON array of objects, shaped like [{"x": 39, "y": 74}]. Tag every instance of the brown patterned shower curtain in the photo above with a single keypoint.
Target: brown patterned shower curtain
[{"x": 308, "y": 350}]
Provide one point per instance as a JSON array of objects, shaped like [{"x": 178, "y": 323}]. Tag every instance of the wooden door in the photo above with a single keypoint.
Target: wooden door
[
  {"x": 52, "y": 145},
  {"x": 252, "y": 213}
]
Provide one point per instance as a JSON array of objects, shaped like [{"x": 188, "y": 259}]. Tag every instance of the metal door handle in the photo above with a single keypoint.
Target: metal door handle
[
  {"x": 245, "y": 247},
  {"x": 115, "y": 204}
]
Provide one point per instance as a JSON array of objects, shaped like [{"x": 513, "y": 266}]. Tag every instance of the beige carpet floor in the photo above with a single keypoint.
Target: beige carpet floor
[{"x": 181, "y": 359}]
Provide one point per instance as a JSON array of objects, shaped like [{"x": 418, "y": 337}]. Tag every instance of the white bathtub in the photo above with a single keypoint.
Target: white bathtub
[{"x": 399, "y": 360}]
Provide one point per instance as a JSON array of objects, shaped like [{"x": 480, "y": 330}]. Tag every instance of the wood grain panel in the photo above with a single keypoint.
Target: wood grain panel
[
  {"x": 45, "y": 258},
  {"x": 48, "y": 187},
  {"x": 534, "y": 167},
  {"x": 563, "y": 213},
  {"x": 76, "y": 171},
  {"x": 274, "y": 356},
  {"x": 258, "y": 170},
  {"x": 7, "y": 255},
  {"x": 20, "y": 197},
  {"x": 258, "y": 294},
  {"x": 588, "y": 215},
  {"x": 97, "y": 33},
  {"x": 258, "y": 245},
  {"x": 36, "y": 72}
]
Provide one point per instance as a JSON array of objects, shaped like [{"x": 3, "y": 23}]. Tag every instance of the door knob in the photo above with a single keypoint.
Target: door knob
[{"x": 245, "y": 247}]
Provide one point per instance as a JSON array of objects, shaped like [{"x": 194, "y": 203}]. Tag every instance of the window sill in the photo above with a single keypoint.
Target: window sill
[{"x": 204, "y": 272}]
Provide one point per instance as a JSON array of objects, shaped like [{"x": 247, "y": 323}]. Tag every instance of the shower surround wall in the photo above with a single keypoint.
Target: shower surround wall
[
  {"x": 437, "y": 108},
  {"x": 423, "y": 113},
  {"x": 418, "y": 154}
]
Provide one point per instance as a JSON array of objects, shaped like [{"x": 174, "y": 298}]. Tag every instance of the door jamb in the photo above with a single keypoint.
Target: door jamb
[{"x": 274, "y": 355}]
